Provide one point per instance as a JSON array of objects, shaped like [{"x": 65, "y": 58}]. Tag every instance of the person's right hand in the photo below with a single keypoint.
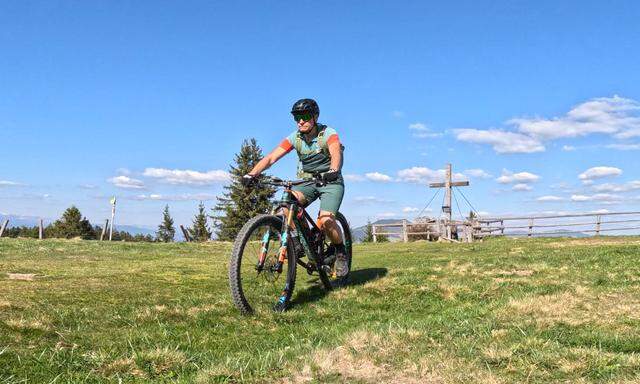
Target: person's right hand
[{"x": 248, "y": 180}]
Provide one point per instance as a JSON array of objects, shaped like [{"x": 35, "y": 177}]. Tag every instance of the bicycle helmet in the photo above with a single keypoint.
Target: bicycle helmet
[{"x": 305, "y": 105}]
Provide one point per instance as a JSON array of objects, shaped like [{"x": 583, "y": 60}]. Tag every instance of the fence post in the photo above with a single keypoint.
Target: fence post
[
  {"x": 4, "y": 226},
  {"x": 41, "y": 230},
  {"x": 405, "y": 236},
  {"x": 530, "y": 227},
  {"x": 598, "y": 221},
  {"x": 187, "y": 238},
  {"x": 373, "y": 232},
  {"x": 502, "y": 227},
  {"x": 104, "y": 229}
]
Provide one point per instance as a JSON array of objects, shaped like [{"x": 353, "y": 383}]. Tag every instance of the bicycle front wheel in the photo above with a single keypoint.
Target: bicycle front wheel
[{"x": 256, "y": 278}]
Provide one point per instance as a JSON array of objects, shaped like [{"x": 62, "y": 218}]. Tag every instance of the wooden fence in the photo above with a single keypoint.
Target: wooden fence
[
  {"x": 433, "y": 230},
  {"x": 567, "y": 225},
  {"x": 578, "y": 224}
]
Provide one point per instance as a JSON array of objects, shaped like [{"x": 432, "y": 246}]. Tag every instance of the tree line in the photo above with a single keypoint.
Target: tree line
[{"x": 235, "y": 207}]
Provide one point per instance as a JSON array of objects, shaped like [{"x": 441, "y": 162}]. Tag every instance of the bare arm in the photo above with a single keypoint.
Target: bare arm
[
  {"x": 268, "y": 161},
  {"x": 335, "y": 150}
]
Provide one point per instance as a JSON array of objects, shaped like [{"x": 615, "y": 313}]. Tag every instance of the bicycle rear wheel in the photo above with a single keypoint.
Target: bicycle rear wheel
[
  {"x": 256, "y": 283},
  {"x": 329, "y": 278}
]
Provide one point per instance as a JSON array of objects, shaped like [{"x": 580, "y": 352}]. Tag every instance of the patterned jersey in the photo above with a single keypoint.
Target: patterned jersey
[{"x": 312, "y": 157}]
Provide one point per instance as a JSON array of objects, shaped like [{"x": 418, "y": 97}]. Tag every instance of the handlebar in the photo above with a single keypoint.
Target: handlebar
[{"x": 277, "y": 182}]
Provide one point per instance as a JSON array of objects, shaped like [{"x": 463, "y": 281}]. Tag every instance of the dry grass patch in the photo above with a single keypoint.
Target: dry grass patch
[
  {"x": 23, "y": 324},
  {"x": 367, "y": 357},
  {"x": 577, "y": 307},
  {"x": 125, "y": 366},
  {"x": 162, "y": 360},
  {"x": 380, "y": 284},
  {"x": 594, "y": 241},
  {"x": 450, "y": 291}
]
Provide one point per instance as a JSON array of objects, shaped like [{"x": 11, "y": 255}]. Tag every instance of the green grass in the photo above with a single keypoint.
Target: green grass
[{"x": 539, "y": 311}]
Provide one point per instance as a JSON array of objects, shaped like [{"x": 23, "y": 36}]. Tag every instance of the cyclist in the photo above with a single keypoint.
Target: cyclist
[{"x": 320, "y": 152}]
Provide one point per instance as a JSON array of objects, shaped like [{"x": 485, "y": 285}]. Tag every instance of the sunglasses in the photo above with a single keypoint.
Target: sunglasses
[{"x": 302, "y": 116}]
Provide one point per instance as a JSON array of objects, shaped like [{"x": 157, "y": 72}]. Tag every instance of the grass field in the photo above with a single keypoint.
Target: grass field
[{"x": 542, "y": 310}]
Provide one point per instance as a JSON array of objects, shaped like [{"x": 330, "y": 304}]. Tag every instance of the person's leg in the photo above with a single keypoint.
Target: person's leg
[
  {"x": 327, "y": 222},
  {"x": 330, "y": 200}
]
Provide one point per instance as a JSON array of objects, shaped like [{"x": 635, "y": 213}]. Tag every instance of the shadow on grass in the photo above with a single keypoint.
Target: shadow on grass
[{"x": 317, "y": 291}]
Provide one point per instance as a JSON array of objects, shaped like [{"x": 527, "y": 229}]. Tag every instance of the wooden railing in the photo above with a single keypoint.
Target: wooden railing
[{"x": 569, "y": 224}]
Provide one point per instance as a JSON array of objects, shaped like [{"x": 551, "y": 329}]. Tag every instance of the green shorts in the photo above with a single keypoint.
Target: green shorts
[{"x": 330, "y": 195}]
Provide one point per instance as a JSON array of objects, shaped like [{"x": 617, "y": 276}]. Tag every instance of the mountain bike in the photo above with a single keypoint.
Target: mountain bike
[{"x": 268, "y": 249}]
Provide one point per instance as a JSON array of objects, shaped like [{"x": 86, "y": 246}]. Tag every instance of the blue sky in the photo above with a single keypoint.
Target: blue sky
[{"x": 537, "y": 104}]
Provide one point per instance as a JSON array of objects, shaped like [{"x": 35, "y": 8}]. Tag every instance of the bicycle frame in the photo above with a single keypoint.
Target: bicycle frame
[{"x": 304, "y": 225}]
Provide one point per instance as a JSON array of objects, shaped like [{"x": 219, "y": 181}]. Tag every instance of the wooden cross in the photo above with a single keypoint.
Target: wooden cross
[{"x": 446, "y": 208}]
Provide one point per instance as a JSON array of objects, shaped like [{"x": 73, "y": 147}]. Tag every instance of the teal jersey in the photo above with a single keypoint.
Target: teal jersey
[{"x": 313, "y": 157}]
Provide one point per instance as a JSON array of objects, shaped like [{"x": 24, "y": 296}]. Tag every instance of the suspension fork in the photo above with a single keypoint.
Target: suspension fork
[
  {"x": 264, "y": 250},
  {"x": 282, "y": 252}
]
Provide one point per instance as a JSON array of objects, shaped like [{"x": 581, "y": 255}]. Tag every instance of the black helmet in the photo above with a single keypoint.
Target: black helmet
[{"x": 305, "y": 105}]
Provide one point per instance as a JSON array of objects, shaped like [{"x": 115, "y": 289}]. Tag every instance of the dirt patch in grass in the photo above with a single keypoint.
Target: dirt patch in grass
[
  {"x": 22, "y": 276},
  {"x": 576, "y": 307}
]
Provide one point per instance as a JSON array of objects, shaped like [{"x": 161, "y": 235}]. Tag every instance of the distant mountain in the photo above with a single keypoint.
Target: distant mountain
[
  {"x": 32, "y": 221},
  {"x": 554, "y": 233},
  {"x": 29, "y": 221},
  {"x": 358, "y": 233}
]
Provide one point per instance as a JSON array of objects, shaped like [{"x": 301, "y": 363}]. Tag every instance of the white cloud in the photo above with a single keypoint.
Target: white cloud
[
  {"x": 421, "y": 131},
  {"x": 423, "y": 175},
  {"x": 352, "y": 177},
  {"x": 501, "y": 141},
  {"x": 371, "y": 200},
  {"x": 478, "y": 173},
  {"x": 7, "y": 183},
  {"x": 386, "y": 215},
  {"x": 549, "y": 198},
  {"x": 187, "y": 177},
  {"x": 601, "y": 211},
  {"x": 612, "y": 187},
  {"x": 614, "y": 115},
  {"x": 598, "y": 197},
  {"x": 182, "y": 197},
  {"x": 87, "y": 186},
  {"x": 410, "y": 209},
  {"x": 126, "y": 182},
  {"x": 599, "y": 173},
  {"x": 624, "y": 147},
  {"x": 377, "y": 176},
  {"x": 397, "y": 114},
  {"x": 522, "y": 187},
  {"x": 520, "y": 177},
  {"x": 568, "y": 148}
]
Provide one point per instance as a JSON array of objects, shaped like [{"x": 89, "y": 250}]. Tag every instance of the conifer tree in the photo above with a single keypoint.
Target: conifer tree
[
  {"x": 166, "y": 230},
  {"x": 368, "y": 233},
  {"x": 238, "y": 204},
  {"x": 72, "y": 224},
  {"x": 200, "y": 230}
]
